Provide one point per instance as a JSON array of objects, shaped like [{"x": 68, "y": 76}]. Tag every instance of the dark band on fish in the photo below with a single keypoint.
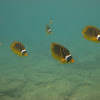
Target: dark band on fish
[
  {"x": 23, "y": 53},
  {"x": 69, "y": 58},
  {"x": 19, "y": 46}
]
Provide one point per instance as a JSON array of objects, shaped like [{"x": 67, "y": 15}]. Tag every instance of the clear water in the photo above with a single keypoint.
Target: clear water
[{"x": 39, "y": 76}]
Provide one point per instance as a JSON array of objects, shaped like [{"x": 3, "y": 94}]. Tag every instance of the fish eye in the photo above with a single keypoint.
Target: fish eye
[
  {"x": 85, "y": 32},
  {"x": 98, "y": 37},
  {"x": 13, "y": 47},
  {"x": 68, "y": 58}
]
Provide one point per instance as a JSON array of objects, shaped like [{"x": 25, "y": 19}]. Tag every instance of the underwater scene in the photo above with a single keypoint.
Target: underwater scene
[{"x": 49, "y": 50}]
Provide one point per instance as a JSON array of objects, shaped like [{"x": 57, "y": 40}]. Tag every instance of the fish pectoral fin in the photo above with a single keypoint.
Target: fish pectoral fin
[
  {"x": 63, "y": 60},
  {"x": 95, "y": 39}
]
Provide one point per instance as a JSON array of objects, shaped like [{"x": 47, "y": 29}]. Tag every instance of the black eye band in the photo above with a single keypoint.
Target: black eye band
[
  {"x": 69, "y": 58},
  {"x": 24, "y": 52},
  {"x": 98, "y": 37}
]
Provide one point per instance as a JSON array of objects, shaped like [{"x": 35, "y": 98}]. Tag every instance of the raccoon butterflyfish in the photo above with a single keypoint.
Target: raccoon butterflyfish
[
  {"x": 91, "y": 33},
  {"x": 18, "y": 48},
  {"x": 50, "y": 21},
  {"x": 48, "y": 29},
  {"x": 61, "y": 53}
]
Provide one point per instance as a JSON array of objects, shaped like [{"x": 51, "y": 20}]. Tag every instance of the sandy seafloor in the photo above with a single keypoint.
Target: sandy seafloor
[{"x": 39, "y": 76}]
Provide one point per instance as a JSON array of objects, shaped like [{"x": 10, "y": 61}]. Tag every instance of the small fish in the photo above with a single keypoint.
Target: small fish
[
  {"x": 50, "y": 21},
  {"x": 18, "y": 48},
  {"x": 91, "y": 33},
  {"x": 0, "y": 43},
  {"x": 61, "y": 53},
  {"x": 48, "y": 29}
]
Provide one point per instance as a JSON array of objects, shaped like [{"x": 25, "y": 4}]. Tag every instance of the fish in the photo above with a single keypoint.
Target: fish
[
  {"x": 48, "y": 29},
  {"x": 0, "y": 43},
  {"x": 50, "y": 21},
  {"x": 61, "y": 53},
  {"x": 91, "y": 33},
  {"x": 18, "y": 48}
]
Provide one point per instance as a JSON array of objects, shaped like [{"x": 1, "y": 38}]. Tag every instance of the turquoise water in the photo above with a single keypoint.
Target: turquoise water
[{"x": 39, "y": 76}]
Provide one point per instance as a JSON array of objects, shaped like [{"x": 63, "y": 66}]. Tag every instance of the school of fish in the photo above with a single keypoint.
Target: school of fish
[{"x": 58, "y": 51}]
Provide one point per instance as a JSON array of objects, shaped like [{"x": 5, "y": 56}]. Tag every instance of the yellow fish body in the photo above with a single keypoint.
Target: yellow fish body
[
  {"x": 91, "y": 33},
  {"x": 48, "y": 29},
  {"x": 18, "y": 48},
  {"x": 61, "y": 53}
]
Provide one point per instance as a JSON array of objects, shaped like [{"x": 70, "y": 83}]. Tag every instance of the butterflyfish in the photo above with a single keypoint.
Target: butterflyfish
[
  {"x": 18, "y": 48},
  {"x": 48, "y": 29},
  {"x": 91, "y": 33},
  {"x": 61, "y": 53},
  {"x": 50, "y": 21}
]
